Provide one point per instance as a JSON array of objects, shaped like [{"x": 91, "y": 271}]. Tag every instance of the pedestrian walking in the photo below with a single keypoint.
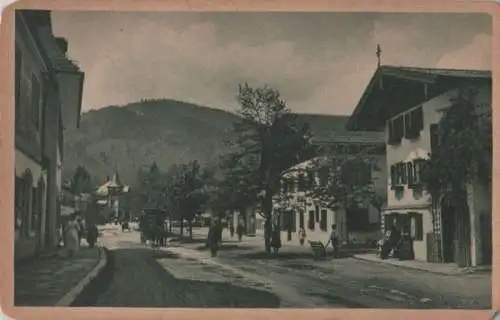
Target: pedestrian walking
[
  {"x": 240, "y": 230},
  {"x": 72, "y": 235},
  {"x": 302, "y": 235},
  {"x": 92, "y": 235},
  {"x": 212, "y": 239},
  {"x": 334, "y": 240},
  {"x": 268, "y": 232},
  {"x": 276, "y": 240},
  {"x": 231, "y": 228}
]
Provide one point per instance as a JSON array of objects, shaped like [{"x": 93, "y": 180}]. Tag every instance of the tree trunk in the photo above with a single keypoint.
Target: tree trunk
[
  {"x": 182, "y": 227},
  {"x": 267, "y": 208},
  {"x": 190, "y": 226}
]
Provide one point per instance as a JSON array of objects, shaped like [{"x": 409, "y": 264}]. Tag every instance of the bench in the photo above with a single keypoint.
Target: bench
[{"x": 318, "y": 249}]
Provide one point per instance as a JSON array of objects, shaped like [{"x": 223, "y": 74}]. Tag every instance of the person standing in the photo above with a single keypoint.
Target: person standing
[
  {"x": 72, "y": 232},
  {"x": 302, "y": 235},
  {"x": 334, "y": 240},
  {"x": 213, "y": 239},
  {"x": 92, "y": 235}
]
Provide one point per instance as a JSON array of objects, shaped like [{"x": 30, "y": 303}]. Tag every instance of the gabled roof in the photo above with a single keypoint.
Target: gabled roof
[{"x": 417, "y": 74}]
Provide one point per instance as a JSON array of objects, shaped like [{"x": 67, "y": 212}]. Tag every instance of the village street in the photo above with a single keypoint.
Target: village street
[{"x": 183, "y": 275}]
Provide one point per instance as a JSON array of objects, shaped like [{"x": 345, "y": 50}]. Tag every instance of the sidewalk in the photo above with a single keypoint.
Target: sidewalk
[
  {"x": 438, "y": 268},
  {"x": 57, "y": 280}
]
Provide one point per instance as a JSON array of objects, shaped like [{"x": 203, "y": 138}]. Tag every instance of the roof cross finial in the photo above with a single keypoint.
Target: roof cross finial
[{"x": 379, "y": 53}]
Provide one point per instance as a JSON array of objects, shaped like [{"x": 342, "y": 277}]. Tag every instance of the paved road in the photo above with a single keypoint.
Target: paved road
[
  {"x": 357, "y": 283},
  {"x": 138, "y": 277},
  {"x": 144, "y": 277}
]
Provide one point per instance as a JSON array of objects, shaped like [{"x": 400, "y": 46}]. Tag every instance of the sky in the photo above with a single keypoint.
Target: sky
[{"x": 320, "y": 62}]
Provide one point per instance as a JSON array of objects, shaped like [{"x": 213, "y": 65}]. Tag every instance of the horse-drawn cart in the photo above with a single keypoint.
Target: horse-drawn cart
[{"x": 150, "y": 224}]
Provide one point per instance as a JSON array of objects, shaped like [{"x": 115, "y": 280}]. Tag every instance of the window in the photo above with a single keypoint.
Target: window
[
  {"x": 323, "y": 176},
  {"x": 416, "y": 226},
  {"x": 17, "y": 79},
  {"x": 414, "y": 123},
  {"x": 302, "y": 183},
  {"x": 310, "y": 222},
  {"x": 310, "y": 179},
  {"x": 35, "y": 101},
  {"x": 399, "y": 174},
  {"x": 415, "y": 169},
  {"x": 323, "y": 221},
  {"x": 390, "y": 221}
]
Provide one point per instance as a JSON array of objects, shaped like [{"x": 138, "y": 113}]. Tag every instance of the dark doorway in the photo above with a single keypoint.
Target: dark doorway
[
  {"x": 301, "y": 219},
  {"x": 448, "y": 228}
]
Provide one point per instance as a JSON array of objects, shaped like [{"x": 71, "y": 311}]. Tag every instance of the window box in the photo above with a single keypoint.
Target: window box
[
  {"x": 398, "y": 187},
  {"x": 416, "y": 186}
]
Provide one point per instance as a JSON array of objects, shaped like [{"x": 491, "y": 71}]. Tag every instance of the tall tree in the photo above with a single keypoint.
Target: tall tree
[
  {"x": 270, "y": 133},
  {"x": 462, "y": 153},
  {"x": 81, "y": 181},
  {"x": 345, "y": 177}
]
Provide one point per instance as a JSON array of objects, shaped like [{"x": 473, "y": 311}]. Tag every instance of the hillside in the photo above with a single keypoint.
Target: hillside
[{"x": 164, "y": 131}]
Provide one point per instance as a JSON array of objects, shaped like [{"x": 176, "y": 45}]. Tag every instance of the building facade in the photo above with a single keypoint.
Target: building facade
[
  {"x": 298, "y": 208},
  {"x": 48, "y": 90},
  {"x": 407, "y": 105}
]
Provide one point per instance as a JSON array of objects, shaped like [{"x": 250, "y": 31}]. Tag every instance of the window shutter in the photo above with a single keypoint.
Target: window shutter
[
  {"x": 390, "y": 125},
  {"x": 418, "y": 119},
  {"x": 404, "y": 173},
  {"x": 407, "y": 125},
  {"x": 434, "y": 137},
  {"x": 393, "y": 175},
  {"x": 399, "y": 128},
  {"x": 409, "y": 169}
]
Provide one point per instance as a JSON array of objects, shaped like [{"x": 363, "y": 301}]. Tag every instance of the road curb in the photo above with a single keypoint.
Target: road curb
[
  {"x": 71, "y": 296},
  {"x": 441, "y": 273}
]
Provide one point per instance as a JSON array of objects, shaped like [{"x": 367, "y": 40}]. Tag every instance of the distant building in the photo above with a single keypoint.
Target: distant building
[
  {"x": 48, "y": 91},
  {"x": 407, "y": 104},
  {"x": 111, "y": 193}
]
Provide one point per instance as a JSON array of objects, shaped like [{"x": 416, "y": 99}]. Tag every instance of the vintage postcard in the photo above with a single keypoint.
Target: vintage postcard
[{"x": 323, "y": 159}]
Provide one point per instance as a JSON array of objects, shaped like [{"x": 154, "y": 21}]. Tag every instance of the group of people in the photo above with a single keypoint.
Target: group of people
[{"x": 72, "y": 233}]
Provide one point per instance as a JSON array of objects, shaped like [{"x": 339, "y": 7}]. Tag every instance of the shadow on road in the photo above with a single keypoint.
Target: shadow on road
[
  {"x": 224, "y": 247},
  {"x": 287, "y": 256},
  {"x": 153, "y": 286}
]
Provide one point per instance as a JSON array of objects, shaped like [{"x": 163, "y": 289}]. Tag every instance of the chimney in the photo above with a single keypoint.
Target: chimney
[{"x": 62, "y": 44}]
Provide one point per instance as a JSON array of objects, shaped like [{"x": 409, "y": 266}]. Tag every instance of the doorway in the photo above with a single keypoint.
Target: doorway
[{"x": 448, "y": 228}]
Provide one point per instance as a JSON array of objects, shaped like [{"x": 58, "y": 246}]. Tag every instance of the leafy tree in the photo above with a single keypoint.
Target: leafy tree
[
  {"x": 81, "y": 181},
  {"x": 462, "y": 154},
  {"x": 345, "y": 177},
  {"x": 464, "y": 147},
  {"x": 269, "y": 140},
  {"x": 185, "y": 192},
  {"x": 151, "y": 186}
]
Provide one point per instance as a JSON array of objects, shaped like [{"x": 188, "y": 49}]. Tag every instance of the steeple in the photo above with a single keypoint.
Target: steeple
[
  {"x": 379, "y": 53},
  {"x": 116, "y": 179}
]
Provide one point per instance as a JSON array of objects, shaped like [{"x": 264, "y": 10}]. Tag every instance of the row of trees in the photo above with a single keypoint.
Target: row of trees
[{"x": 267, "y": 140}]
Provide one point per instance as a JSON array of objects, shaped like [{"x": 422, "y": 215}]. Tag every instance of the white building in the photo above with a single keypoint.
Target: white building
[
  {"x": 299, "y": 209},
  {"x": 407, "y": 104}
]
